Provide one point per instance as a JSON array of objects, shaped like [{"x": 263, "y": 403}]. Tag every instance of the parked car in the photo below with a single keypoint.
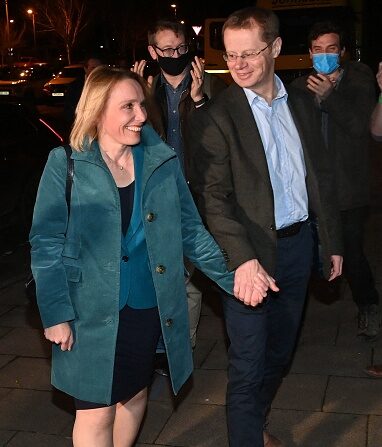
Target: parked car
[
  {"x": 24, "y": 82},
  {"x": 28, "y": 61},
  {"x": 56, "y": 88},
  {"x": 26, "y": 139}
]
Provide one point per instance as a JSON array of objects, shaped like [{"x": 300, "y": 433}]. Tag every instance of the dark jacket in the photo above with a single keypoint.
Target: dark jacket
[
  {"x": 212, "y": 86},
  {"x": 231, "y": 178},
  {"x": 349, "y": 109}
]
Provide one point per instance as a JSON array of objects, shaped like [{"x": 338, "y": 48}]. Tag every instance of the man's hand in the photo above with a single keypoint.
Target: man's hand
[
  {"x": 336, "y": 269},
  {"x": 139, "y": 68},
  {"x": 252, "y": 283},
  {"x": 61, "y": 334},
  {"x": 197, "y": 74},
  {"x": 321, "y": 85}
]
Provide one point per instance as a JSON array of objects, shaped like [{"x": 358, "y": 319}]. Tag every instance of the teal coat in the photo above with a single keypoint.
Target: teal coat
[{"x": 78, "y": 278}]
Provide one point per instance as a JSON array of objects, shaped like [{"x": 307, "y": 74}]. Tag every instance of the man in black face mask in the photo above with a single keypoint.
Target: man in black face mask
[{"x": 179, "y": 90}]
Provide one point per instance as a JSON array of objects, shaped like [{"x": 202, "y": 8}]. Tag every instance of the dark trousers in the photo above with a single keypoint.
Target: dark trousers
[
  {"x": 356, "y": 267},
  {"x": 262, "y": 340}
]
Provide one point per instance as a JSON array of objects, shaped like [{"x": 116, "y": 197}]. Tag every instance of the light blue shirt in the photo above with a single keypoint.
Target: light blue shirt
[{"x": 285, "y": 158}]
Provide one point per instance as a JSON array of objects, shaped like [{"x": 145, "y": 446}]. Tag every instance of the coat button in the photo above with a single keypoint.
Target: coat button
[
  {"x": 168, "y": 322},
  {"x": 272, "y": 227},
  {"x": 160, "y": 269},
  {"x": 150, "y": 217},
  {"x": 125, "y": 258}
]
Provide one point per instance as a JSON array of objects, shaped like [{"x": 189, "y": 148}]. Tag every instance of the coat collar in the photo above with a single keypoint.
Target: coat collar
[
  {"x": 151, "y": 153},
  {"x": 155, "y": 150}
]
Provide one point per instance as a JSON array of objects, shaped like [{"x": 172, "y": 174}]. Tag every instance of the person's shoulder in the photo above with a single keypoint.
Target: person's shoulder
[
  {"x": 214, "y": 83},
  {"x": 296, "y": 92},
  {"x": 230, "y": 93},
  {"x": 300, "y": 81},
  {"x": 58, "y": 152},
  {"x": 358, "y": 70}
]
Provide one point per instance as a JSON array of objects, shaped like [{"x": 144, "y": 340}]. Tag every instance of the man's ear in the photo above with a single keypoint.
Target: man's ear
[
  {"x": 310, "y": 53},
  {"x": 342, "y": 52},
  {"x": 152, "y": 52},
  {"x": 276, "y": 47}
]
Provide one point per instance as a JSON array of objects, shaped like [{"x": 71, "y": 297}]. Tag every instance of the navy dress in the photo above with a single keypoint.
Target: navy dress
[{"x": 137, "y": 339}]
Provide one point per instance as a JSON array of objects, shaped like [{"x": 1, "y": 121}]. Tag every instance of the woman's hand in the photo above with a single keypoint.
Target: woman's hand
[{"x": 61, "y": 334}]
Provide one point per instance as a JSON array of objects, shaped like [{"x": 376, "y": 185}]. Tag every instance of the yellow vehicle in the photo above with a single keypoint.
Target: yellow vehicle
[{"x": 296, "y": 17}]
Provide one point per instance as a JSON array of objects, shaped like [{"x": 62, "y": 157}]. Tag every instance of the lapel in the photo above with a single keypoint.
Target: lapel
[
  {"x": 136, "y": 215},
  {"x": 250, "y": 138},
  {"x": 148, "y": 156},
  {"x": 156, "y": 152}
]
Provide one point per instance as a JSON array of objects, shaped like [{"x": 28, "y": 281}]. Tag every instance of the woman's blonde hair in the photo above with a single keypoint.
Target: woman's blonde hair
[{"x": 93, "y": 100}]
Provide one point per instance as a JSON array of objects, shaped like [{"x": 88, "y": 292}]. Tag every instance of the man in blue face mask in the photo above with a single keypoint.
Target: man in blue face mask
[{"x": 345, "y": 93}]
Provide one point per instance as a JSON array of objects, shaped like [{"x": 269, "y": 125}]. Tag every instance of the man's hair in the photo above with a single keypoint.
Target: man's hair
[
  {"x": 93, "y": 101},
  {"x": 326, "y": 27},
  {"x": 162, "y": 25},
  {"x": 247, "y": 18}
]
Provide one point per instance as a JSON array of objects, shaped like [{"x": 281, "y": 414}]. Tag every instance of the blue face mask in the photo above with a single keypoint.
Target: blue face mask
[{"x": 326, "y": 63}]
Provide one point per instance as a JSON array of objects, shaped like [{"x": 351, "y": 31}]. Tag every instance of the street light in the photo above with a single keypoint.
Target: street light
[
  {"x": 7, "y": 24},
  {"x": 174, "y": 7},
  {"x": 31, "y": 12}
]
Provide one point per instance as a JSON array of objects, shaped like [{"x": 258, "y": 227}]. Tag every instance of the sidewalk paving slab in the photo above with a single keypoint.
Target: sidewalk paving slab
[
  {"x": 301, "y": 392},
  {"x": 330, "y": 360},
  {"x": 25, "y": 342},
  {"x": 26, "y": 373},
  {"x": 354, "y": 395},
  {"x": 375, "y": 431},
  {"x": 317, "y": 429},
  {"x": 26, "y": 439},
  {"x": 30, "y": 410},
  {"x": 194, "y": 425}
]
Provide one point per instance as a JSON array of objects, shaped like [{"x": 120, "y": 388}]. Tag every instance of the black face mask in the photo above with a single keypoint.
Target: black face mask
[{"x": 174, "y": 66}]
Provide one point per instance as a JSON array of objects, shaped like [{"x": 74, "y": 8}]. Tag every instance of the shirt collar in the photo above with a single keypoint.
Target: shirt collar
[
  {"x": 280, "y": 95},
  {"x": 183, "y": 84}
]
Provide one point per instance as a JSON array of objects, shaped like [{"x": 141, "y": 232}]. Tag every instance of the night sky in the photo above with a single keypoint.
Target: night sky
[{"x": 194, "y": 11}]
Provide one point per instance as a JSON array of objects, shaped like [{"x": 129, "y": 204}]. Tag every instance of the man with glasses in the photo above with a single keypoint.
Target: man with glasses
[
  {"x": 261, "y": 167},
  {"x": 179, "y": 90},
  {"x": 344, "y": 93}
]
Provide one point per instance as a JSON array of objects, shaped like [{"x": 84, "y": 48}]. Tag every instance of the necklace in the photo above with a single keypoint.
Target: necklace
[{"x": 113, "y": 162}]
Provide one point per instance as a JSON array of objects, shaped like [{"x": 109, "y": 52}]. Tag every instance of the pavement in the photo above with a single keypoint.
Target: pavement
[{"x": 326, "y": 400}]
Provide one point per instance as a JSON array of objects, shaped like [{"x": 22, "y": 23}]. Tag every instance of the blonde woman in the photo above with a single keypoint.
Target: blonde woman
[{"x": 111, "y": 280}]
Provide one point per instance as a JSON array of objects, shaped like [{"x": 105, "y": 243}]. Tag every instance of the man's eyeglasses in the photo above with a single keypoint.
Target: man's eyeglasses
[
  {"x": 247, "y": 55},
  {"x": 169, "y": 52}
]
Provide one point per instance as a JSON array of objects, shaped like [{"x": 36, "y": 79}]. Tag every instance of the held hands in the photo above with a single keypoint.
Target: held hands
[
  {"x": 321, "y": 85},
  {"x": 61, "y": 334},
  {"x": 197, "y": 74},
  {"x": 252, "y": 283},
  {"x": 336, "y": 269},
  {"x": 139, "y": 67}
]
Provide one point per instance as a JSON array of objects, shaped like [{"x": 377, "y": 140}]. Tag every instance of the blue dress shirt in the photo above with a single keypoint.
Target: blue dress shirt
[{"x": 285, "y": 158}]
